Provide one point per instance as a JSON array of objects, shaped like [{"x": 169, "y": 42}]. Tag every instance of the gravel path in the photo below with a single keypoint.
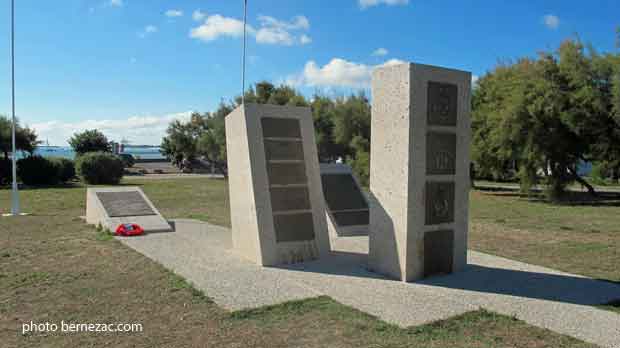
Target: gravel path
[{"x": 543, "y": 297}]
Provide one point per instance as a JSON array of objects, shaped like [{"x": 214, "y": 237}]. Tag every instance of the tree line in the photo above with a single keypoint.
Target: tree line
[{"x": 342, "y": 128}]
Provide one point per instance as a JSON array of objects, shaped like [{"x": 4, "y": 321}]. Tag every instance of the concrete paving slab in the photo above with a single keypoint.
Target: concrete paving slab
[{"x": 543, "y": 297}]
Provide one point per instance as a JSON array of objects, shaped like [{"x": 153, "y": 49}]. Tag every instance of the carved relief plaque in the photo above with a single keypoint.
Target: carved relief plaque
[
  {"x": 440, "y": 153},
  {"x": 439, "y": 202},
  {"x": 438, "y": 252},
  {"x": 442, "y": 104}
]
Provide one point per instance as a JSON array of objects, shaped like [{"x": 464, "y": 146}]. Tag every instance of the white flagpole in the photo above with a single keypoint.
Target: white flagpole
[
  {"x": 15, "y": 205},
  {"x": 245, "y": 17}
]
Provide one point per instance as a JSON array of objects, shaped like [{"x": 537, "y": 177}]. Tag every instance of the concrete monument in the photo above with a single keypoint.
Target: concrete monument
[
  {"x": 347, "y": 208},
  {"x": 113, "y": 206},
  {"x": 419, "y": 171},
  {"x": 276, "y": 203}
]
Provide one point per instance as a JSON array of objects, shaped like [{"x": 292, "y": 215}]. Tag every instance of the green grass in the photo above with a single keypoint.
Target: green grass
[
  {"x": 582, "y": 239},
  {"x": 54, "y": 267}
]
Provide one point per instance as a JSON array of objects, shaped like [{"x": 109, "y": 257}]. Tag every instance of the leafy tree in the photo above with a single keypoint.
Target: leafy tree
[
  {"x": 25, "y": 138},
  {"x": 541, "y": 118},
  {"x": 89, "y": 141},
  {"x": 212, "y": 143},
  {"x": 181, "y": 142}
]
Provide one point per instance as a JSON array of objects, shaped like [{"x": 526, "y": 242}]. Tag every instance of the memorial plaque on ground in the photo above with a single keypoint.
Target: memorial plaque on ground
[
  {"x": 113, "y": 206},
  {"x": 119, "y": 204},
  {"x": 348, "y": 212}
]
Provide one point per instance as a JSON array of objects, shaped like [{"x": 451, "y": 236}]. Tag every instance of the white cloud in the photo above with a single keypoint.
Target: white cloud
[
  {"x": 116, "y": 3},
  {"x": 216, "y": 26},
  {"x": 474, "y": 80},
  {"x": 271, "y": 31},
  {"x": 142, "y": 130},
  {"x": 369, "y": 3},
  {"x": 198, "y": 15},
  {"x": 149, "y": 29},
  {"x": 337, "y": 73},
  {"x": 174, "y": 13},
  {"x": 551, "y": 21},
  {"x": 380, "y": 52}
]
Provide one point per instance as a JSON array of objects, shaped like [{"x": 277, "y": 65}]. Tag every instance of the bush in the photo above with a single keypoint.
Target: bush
[
  {"x": 36, "y": 170},
  {"x": 5, "y": 171},
  {"x": 97, "y": 168},
  {"x": 127, "y": 159},
  {"x": 66, "y": 168}
]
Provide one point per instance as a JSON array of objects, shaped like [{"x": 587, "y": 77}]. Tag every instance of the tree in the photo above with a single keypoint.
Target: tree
[
  {"x": 89, "y": 141},
  {"x": 25, "y": 138},
  {"x": 212, "y": 143},
  {"x": 543, "y": 117},
  {"x": 181, "y": 142}
]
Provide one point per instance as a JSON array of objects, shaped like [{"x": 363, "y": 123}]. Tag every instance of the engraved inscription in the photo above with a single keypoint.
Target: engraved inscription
[
  {"x": 274, "y": 127},
  {"x": 289, "y": 198},
  {"x": 440, "y": 153},
  {"x": 439, "y": 202},
  {"x": 119, "y": 204},
  {"x": 342, "y": 193},
  {"x": 352, "y": 218},
  {"x": 287, "y": 173},
  {"x": 283, "y": 150},
  {"x": 438, "y": 252},
  {"x": 442, "y": 104},
  {"x": 293, "y": 227}
]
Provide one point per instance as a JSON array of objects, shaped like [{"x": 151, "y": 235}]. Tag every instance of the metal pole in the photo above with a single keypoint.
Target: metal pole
[
  {"x": 245, "y": 18},
  {"x": 15, "y": 205}
]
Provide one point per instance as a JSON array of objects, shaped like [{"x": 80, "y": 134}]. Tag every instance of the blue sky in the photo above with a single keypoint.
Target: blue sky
[{"x": 130, "y": 66}]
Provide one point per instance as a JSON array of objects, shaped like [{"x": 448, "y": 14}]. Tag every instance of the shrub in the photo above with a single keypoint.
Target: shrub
[
  {"x": 97, "y": 168},
  {"x": 36, "y": 170},
  {"x": 66, "y": 168},
  {"x": 128, "y": 160},
  {"x": 5, "y": 171}
]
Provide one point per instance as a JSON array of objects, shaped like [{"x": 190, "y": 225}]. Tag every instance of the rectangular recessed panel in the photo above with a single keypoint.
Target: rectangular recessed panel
[
  {"x": 294, "y": 227},
  {"x": 284, "y": 150},
  {"x": 438, "y": 252},
  {"x": 442, "y": 104},
  {"x": 280, "y": 127},
  {"x": 439, "y": 202},
  {"x": 128, "y": 203},
  {"x": 289, "y": 198},
  {"x": 440, "y": 153},
  {"x": 342, "y": 192},
  {"x": 351, "y": 218},
  {"x": 286, "y": 173}
]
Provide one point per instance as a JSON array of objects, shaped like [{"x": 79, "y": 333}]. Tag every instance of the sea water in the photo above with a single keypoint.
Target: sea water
[{"x": 67, "y": 152}]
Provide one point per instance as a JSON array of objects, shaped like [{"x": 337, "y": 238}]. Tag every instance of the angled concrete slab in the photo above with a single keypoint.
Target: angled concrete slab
[{"x": 113, "y": 206}]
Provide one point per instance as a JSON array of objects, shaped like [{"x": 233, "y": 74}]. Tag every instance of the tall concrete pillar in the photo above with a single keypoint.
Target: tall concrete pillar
[
  {"x": 276, "y": 200},
  {"x": 419, "y": 170}
]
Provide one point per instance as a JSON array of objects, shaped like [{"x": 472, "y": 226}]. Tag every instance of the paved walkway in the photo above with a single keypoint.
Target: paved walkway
[{"x": 543, "y": 297}]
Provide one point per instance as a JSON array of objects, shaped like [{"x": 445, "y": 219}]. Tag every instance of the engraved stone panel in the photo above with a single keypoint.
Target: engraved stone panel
[
  {"x": 119, "y": 204},
  {"x": 289, "y": 198},
  {"x": 442, "y": 104},
  {"x": 342, "y": 193},
  {"x": 286, "y": 173},
  {"x": 439, "y": 202},
  {"x": 351, "y": 218},
  {"x": 284, "y": 150},
  {"x": 440, "y": 153},
  {"x": 438, "y": 252},
  {"x": 293, "y": 227},
  {"x": 274, "y": 127}
]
